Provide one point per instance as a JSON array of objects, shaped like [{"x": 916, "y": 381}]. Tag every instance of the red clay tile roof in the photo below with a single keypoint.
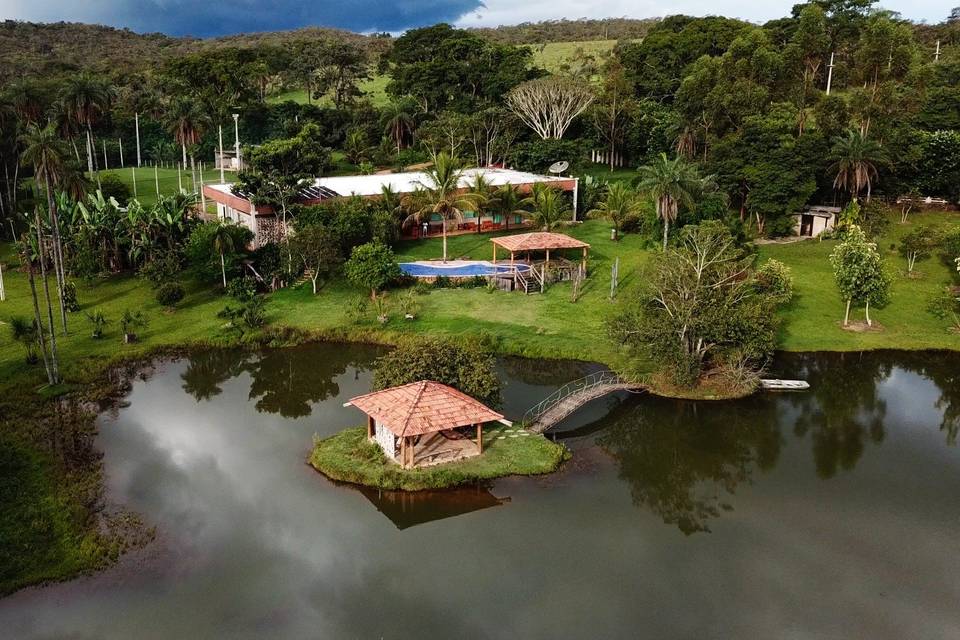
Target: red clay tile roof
[
  {"x": 423, "y": 407},
  {"x": 538, "y": 241}
]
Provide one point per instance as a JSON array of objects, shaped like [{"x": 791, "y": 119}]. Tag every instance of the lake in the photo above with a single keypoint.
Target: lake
[{"x": 828, "y": 513}]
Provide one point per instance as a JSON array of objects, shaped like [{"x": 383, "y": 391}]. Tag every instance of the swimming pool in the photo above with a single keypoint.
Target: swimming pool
[{"x": 458, "y": 268}]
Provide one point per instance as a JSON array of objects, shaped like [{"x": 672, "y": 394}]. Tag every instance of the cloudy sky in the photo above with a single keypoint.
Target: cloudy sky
[{"x": 205, "y": 18}]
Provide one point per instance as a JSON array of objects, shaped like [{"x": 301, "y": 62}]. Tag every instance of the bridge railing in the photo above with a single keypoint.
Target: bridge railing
[{"x": 600, "y": 378}]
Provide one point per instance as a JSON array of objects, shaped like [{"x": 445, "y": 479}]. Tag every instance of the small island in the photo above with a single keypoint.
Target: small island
[{"x": 427, "y": 435}]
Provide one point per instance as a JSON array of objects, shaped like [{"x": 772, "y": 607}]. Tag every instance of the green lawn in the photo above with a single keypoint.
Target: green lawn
[
  {"x": 554, "y": 54},
  {"x": 149, "y": 178}
]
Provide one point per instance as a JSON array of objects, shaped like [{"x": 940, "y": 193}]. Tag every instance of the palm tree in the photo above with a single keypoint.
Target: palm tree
[
  {"x": 549, "y": 207},
  {"x": 87, "y": 99},
  {"x": 186, "y": 121},
  {"x": 855, "y": 159},
  {"x": 27, "y": 101},
  {"x": 483, "y": 195},
  {"x": 439, "y": 195},
  {"x": 223, "y": 244},
  {"x": 671, "y": 184},
  {"x": 31, "y": 254},
  {"x": 24, "y": 331},
  {"x": 621, "y": 203},
  {"x": 510, "y": 202},
  {"x": 398, "y": 121},
  {"x": 45, "y": 151}
]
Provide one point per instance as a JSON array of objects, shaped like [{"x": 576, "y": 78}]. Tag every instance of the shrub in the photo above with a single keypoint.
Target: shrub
[
  {"x": 242, "y": 289},
  {"x": 775, "y": 279},
  {"x": 422, "y": 287},
  {"x": 111, "y": 186},
  {"x": 130, "y": 321},
  {"x": 24, "y": 331},
  {"x": 248, "y": 315},
  {"x": 357, "y": 310},
  {"x": 99, "y": 321},
  {"x": 946, "y": 306},
  {"x": 70, "y": 302},
  {"x": 461, "y": 365},
  {"x": 163, "y": 267},
  {"x": 372, "y": 266},
  {"x": 170, "y": 293},
  {"x": 442, "y": 282}
]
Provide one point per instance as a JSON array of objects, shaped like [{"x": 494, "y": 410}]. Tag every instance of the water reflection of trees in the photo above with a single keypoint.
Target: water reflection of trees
[
  {"x": 545, "y": 372},
  {"x": 942, "y": 368},
  {"x": 683, "y": 460},
  {"x": 207, "y": 370},
  {"x": 288, "y": 381},
  {"x": 843, "y": 408},
  {"x": 282, "y": 381}
]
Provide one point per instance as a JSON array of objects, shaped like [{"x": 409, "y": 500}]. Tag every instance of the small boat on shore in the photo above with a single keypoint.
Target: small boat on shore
[{"x": 784, "y": 385}]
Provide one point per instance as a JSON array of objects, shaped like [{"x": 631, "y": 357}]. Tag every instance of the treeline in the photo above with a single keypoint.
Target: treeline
[{"x": 569, "y": 30}]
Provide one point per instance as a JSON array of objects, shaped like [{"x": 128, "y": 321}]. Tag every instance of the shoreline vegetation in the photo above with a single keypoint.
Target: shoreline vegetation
[{"x": 349, "y": 457}]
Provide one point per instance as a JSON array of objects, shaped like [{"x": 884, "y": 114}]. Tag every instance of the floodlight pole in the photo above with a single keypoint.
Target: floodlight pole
[
  {"x": 136, "y": 123},
  {"x": 220, "y": 129},
  {"x": 236, "y": 133},
  {"x": 830, "y": 74},
  {"x": 120, "y": 142}
]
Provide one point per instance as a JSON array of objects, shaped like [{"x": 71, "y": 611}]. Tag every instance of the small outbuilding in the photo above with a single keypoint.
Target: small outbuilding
[
  {"x": 814, "y": 220},
  {"x": 422, "y": 423}
]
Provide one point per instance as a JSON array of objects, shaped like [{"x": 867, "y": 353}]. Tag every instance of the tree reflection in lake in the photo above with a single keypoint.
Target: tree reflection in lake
[
  {"x": 683, "y": 459},
  {"x": 208, "y": 369},
  {"x": 285, "y": 382},
  {"x": 843, "y": 407}
]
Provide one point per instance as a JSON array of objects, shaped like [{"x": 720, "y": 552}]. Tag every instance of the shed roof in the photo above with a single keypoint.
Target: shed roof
[
  {"x": 538, "y": 241},
  {"x": 423, "y": 407}
]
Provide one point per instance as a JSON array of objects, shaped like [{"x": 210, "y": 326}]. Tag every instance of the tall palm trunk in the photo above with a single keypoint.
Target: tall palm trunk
[
  {"x": 54, "y": 364},
  {"x": 223, "y": 270},
  {"x": 89, "y": 151},
  {"x": 444, "y": 228},
  {"x": 57, "y": 252},
  {"x": 37, "y": 318}
]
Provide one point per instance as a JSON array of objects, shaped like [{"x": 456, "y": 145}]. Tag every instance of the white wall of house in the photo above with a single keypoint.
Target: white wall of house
[{"x": 386, "y": 440}]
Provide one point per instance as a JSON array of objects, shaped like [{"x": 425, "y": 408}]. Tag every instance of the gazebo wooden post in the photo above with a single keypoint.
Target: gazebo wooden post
[
  {"x": 548, "y": 258},
  {"x": 584, "y": 263},
  {"x": 479, "y": 436},
  {"x": 403, "y": 451},
  {"x": 494, "y": 252},
  {"x": 370, "y": 427}
]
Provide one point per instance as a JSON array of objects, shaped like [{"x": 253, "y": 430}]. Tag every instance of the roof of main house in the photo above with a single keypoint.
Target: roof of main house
[
  {"x": 538, "y": 241},
  {"x": 405, "y": 182},
  {"x": 423, "y": 407}
]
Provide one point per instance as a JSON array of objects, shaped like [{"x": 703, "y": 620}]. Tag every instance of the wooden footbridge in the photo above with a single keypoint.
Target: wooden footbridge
[{"x": 573, "y": 395}]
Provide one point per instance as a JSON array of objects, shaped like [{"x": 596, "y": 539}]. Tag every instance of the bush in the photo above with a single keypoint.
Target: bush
[
  {"x": 202, "y": 257},
  {"x": 242, "y": 289},
  {"x": 775, "y": 279},
  {"x": 248, "y": 315},
  {"x": 538, "y": 155},
  {"x": 442, "y": 282},
  {"x": 163, "y": 267},
  {"x": 372, "y": 266},
  {"x": 357, "y": 311},
  {"x": 170, "y": 293},
  {"x": 70, "y": 302},
  {"x": 463, "y": 366},
  {"x": 113, "y": 187}
]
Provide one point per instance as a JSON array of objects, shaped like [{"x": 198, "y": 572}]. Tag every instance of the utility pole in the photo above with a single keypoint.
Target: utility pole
[
  {"x": 236, "y": 133},
  {"x": 220, "y": 130},
  {"x": 106, "y": 165},
  {"x": 156, "y": 178},
  {"x": 936, "y": 55},
  {"x": 830, "y": 74},
  {"x": 120, "y": 142},
  {"x": 133, "y": 170},
  {"x": 136, "y": 123}
]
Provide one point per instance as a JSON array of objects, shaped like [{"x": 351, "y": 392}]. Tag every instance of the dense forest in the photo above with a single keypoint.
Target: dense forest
[{"x": 837, "y": 100}]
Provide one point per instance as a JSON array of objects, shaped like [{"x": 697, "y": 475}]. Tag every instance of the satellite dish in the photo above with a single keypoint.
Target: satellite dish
[{"x": 559, "y": 167}]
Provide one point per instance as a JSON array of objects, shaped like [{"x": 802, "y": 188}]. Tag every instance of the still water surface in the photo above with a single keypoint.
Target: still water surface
[{"x": 833, "y": 513}]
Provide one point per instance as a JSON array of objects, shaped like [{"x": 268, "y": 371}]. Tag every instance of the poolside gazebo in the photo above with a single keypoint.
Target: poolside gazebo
[
  {"x": 416, "y": 424},
  {"x": 526, "y": 243}
]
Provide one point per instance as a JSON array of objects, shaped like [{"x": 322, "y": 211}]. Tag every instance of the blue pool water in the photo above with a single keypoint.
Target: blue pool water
[{"x": 479, "y": 268}]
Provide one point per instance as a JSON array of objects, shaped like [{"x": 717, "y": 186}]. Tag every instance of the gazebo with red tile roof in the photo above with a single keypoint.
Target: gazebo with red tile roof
[
  {"x": 539, "y": 241},
  {"x": 423, "y": 410}
]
